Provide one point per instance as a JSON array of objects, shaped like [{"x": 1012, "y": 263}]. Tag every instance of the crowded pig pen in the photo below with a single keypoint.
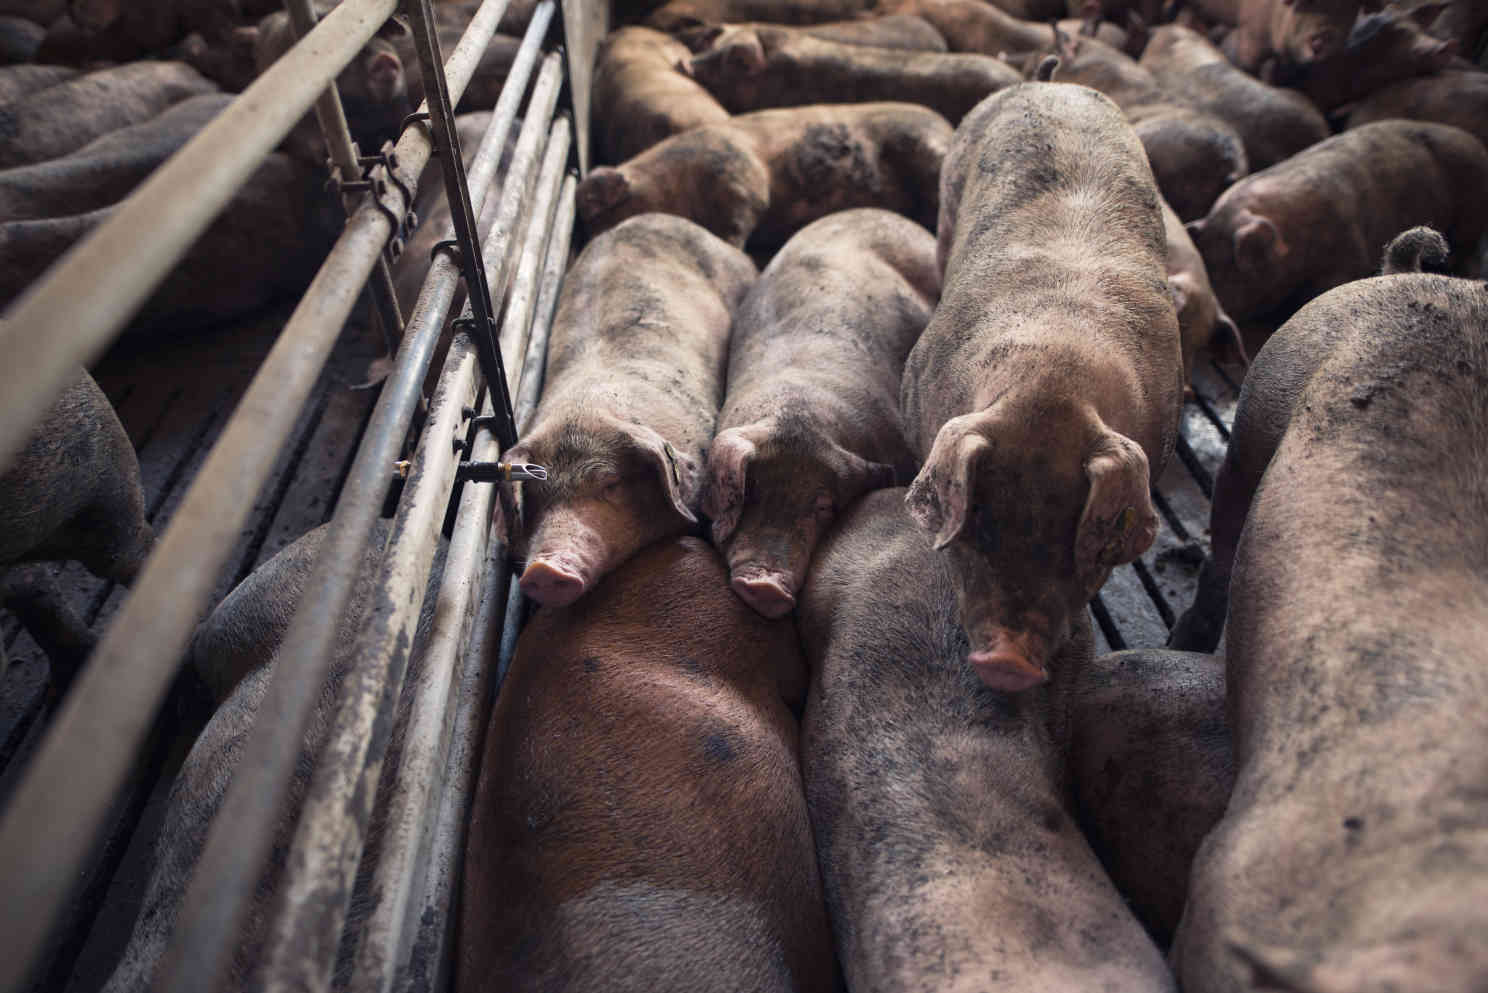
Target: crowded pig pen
[{"x": 743, "y": 495}]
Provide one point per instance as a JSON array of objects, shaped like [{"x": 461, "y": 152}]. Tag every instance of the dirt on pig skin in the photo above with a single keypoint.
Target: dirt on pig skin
[
  {"x": 1352, "y": 854},
  {"x": 940, "y": 807},
  {"x": 811, "y": 420},
  {"x": 761, "y": 177},
  {"x": 1321, "y": 218},
  {"x": 634, "y": 381},
  {"x": 640, "y": 824},
  {"x": 1044, "y": 394}
]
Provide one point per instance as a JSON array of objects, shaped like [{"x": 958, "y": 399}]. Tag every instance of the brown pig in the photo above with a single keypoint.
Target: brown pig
[
  {"x": 639, "y": 96},
  {"x": 1150, "y": 757},
  {"x": 1283, "y": 235},
  {"x": 810, "y": 420},
  {"x": 106, "y": 169},
  {"x": 977, "y": 26},
  {"x": 1352, "y": 855},
  {"x": 1200, "y": 316},
  {"x": 64, "y": 117},
  {"x": 903, "y": 31},
  {"x": 1382, "y": 48},
  {"x": 639, "y": 823},
  {"x": 781, "y": 67},
  {"x": 1274, "y": 123},
  {"x": 1288, "y": 32},
  {"x": 681, "y": 15},
  {"x": 948, "y": 852},
  {"x": 634, "y": 381},
  {"x": 1194, "y": 155},
  {"x": 1044, "y": 394},
  {"x": 763, "y": 176},
  {"x": 1458, "y": 97}
]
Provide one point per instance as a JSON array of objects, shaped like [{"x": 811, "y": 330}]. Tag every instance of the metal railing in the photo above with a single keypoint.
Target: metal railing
[{"x": 49, "y": 835}]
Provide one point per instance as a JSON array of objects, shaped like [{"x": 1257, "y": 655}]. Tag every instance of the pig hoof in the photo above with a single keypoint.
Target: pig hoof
[
  {"x": 1007, "y": 671},
  {"x": 766, "y": 594},
  {"x": 552, "y": 585}
]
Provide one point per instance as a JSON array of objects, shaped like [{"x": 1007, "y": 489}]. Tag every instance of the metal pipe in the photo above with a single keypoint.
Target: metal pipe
[
  {"x": 428, "y": 921},
  {"x": 71, "y": 314},
  {"x": 47, "y": 833},
  {"x": 305, "y": 928}
]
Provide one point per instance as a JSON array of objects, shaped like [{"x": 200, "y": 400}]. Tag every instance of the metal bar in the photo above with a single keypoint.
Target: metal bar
[
  {"x": 441, "y": 122},
  {"x": 47, "y": 833},
  {"x": 331, "y": 117},
  {"x": 428, "y": 921},
  {"x": 426, "y": 741},
  {"x": 305, "y": 929},
  {"x": 71, "y": 314},
  {"x": 516, "y": 320},
  {"x": 236, "y": 848}
]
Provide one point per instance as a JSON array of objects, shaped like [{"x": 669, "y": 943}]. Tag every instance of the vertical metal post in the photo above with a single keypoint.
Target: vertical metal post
[{"x": 477, "y": 292}]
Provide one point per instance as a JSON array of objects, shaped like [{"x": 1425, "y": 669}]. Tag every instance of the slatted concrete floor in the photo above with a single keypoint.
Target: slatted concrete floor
[{"x": 174, "y": 399}]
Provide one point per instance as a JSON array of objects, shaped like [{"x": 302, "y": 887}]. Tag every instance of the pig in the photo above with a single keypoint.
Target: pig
[
  {"x": 1382, "y": 48},
  {"x": 64, "y": 117},
  {"x": 19, "y": 39},
  {"x": 660, "y": 843},
  {"x": 1283, "y": 235},
  {"x": 236, "y": 649},
  {"x": 901, "y": 31},
  {"x": 1194, "y": 155},
  {"x": 810, "y": 419},
  {"x": 948, "y": 851},
  {"x": 374, "y": 89},
  {"x": 1455, "y": 97},
  {"x": 976, "y": 26},
  {"x": 680, "y": 15},
  {"x": 231, "y": 64},
  {"x": 1044, "y": 394},
  {"x": 1287, "y": 33},
  {"x": 634, "y": 381},
  {"x": 1200, "y": 316},
  {"x": 763, "y": 176},
  {"x": 106, "y": 169},
  {"x": 71, "y": 493},
  {"x": 1350, "y": 856},
  {"x": 1273, "y": 123},
  {"x": 1150, "y": 757},
  {"x": 264, "y": 246},
  {"x": 779, "y": 67},
  {"x": 17, "y": 81},
  {"x": 640, "y": 98},
  {"x": 41, "y": 12},
  {"x": 450, "y": 22}
]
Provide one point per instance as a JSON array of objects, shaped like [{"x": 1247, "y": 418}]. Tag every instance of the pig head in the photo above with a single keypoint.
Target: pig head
[
  {"x": 613, "y": 487},
  {"x": 1036, "y": 501},
  {"x": 772, "y": 493}
]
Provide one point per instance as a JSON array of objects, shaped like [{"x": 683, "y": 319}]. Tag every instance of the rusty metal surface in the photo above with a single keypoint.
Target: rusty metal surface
[{"x": 71, "y": 314}]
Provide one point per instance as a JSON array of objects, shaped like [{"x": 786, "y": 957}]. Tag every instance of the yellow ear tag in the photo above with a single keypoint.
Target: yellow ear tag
[{"x": 1124, "y": 520}]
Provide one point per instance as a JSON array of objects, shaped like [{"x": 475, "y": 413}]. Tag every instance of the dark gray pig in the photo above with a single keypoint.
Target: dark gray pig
[
  {"x": 1044, "y": 394},
  {"x": 948, "y": 852},
  {"x": 657, "y": 841},
  {"x": 106, "y": 169},
  {"x": 630, "y": 400},
  {"x": 1352, "y": 855},
  {"x": 764, "y": 176},
  {"x": 1274, "y": 123},
  {"x": 1150, "y": 756},
  {"x": 19, "y": 39},
  {"x": 1283, "y": 235},
  {"x": 66, "y": 116},
  {"x": 17, "y": 81},
  {"x": 779, "y": 67},
  {"x": 810, "y": 420}
]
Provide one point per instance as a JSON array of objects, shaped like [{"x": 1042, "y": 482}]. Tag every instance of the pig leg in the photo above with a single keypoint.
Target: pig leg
[{"x": 32, "y": 594}]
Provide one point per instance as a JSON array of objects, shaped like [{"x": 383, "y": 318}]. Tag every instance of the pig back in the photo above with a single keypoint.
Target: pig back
[
  {"x": 640, "y": 98},
  {"x": 643, "y": 325},
  {"x": 639, "y": 823}
]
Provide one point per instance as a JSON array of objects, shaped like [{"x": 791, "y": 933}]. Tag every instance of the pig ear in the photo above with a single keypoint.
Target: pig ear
[
  {"x": 395, "y": 27},
  {"x": 701, "y": 39},
  {"x": 681, "y": 476},
  {"x": 746, "y": 55},
  {"x": 940, "y": 498},
  {"x": 1064, "y": 45},
  {"x": 601, "y": 190},
  {"x": 728, "y": 478},
  {"x": 1119, "y": 522},
  {"x": 1226, "y": 327},
  {"x": 856, "y": 476},
  {"x": 1257, "y": 243},
  {"x": 1442, "y": 54},
  {"x": 245, "y": 37},
  {"x": 1180, "y": 288}
]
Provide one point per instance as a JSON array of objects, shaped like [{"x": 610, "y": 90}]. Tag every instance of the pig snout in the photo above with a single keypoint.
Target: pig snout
[
  {"x": 1320, "y": 44},
  {"x": 384, "y": 76},
  {"x": 566, "y": 558},
  {"x": 771, "y": 592},
  {"x": 1009, "y": 660}
]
